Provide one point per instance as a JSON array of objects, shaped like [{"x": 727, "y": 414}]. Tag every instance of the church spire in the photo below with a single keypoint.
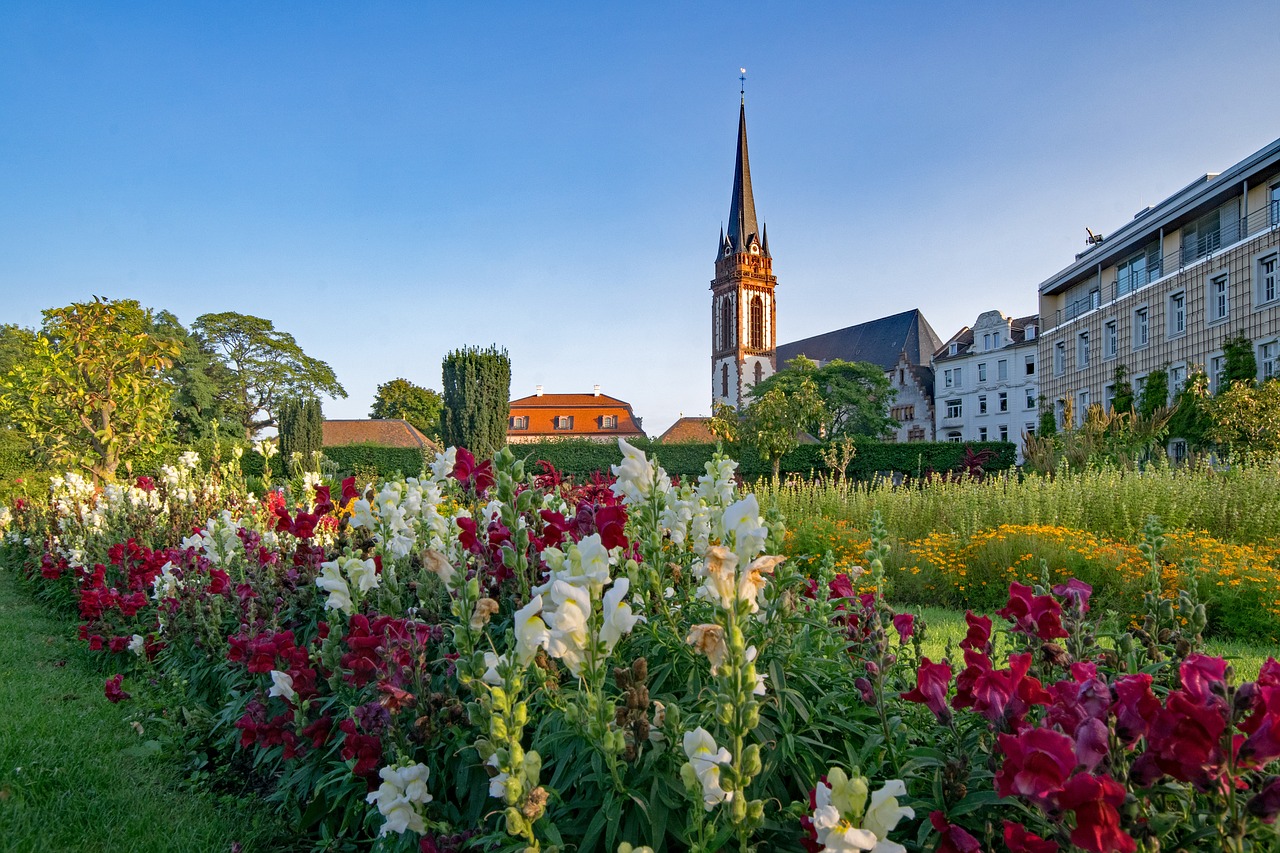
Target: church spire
[{"x": 742, "y": 206}]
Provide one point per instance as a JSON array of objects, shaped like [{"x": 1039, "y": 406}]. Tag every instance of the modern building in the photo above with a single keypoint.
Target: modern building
[
  {"x": 390, "y": 432},
  {"x": 595, "y": 416},
  {"x": 1165, "y": 289},
  {"x": 986, "y": 382},
  {"x": 743, "y": 313},
  {"x": 902, "y": 345}
]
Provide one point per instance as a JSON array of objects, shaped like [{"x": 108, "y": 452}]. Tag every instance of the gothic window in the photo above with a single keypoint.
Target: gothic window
[
  {"x": 724, "y": 380},
  {"x": 726, "y": 323},
  {"x": 757, "y": 322},
  {"x": 759, "y": 372}
]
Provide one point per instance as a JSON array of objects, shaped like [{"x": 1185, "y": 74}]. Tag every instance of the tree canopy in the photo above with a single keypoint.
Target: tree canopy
[
  {"x": 854, "y": 397},
  {"x": 477, "y": 399},
  {"x": 266, "y": 366},
  {"x": 776, "y": 418},
  {"x": 88, "y": 392},
  {"x": 401, "y": 399}
]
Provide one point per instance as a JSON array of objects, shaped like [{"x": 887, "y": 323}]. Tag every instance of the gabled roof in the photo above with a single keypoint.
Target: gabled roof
[
  {"x": 878, "y": 341},
  {"x": 964, "y": 339},
  {"x": 689, "y": 431},
  {"x": 384, "y": 433},
  {"x": 586, "y": 410}
]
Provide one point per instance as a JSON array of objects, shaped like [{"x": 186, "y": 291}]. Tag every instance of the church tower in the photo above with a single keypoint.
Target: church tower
[{"x": 743, "y": 337}]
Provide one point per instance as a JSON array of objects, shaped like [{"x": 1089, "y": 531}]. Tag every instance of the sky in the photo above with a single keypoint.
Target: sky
[{"x": 392, "y": 181}]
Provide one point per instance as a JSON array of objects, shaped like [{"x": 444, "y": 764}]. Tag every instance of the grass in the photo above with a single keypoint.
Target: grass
[
  {"x": 76, "y": 775},
  {"x": 945, "y": 625}
]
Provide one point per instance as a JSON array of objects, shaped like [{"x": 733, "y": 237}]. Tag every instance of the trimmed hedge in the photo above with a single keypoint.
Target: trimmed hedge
[
  {"x": 582, "y": 458},
  {"x": 388, "y": 461}
]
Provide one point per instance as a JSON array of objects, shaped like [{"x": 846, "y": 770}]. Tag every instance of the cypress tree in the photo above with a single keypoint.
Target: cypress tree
[
  {"x": 477, "y": 399},
  {"x": 300, "y": 427}
]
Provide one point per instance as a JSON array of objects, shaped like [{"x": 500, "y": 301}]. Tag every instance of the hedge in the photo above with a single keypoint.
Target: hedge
[
  {"x": 582, "y": 458},
  {"x": 387, "y": 461}
]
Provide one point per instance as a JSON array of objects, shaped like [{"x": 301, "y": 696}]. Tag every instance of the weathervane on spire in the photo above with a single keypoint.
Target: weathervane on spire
[{"x": 742, "y": 84}]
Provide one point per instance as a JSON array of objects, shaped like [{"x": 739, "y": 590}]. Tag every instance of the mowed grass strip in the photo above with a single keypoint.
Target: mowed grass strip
[{"x": 71, "y": 774}]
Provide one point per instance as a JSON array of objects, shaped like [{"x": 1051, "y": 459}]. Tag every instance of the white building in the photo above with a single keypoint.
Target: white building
[{"x": 986, "y": 381}]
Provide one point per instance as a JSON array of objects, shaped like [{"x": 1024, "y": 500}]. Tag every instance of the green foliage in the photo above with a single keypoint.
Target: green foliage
[
  {"x": 1123, "y": 399},
  {"x": 401, "y": 399},
  {"x": 300, "y": 427},
  {"x": 1245, "y": 418},
  {"x": 266, "y": 366},
  {"x": 1048, "y": 421},
  {"x": 17, "y": 343},
  {"x": 1240, "y": 363},
  {"x": 1190, "y": 420},
  {"x": 1155, "y": 393},
  {"x": 87, "y": 394},
  {"x": 582, "y": 458},
  {"x": 201, "y": 383},
  {"x": 773, "y": 422},
  {"x": 854, "y": 396},
  {"x": 477, "y": 399},
  {"x": 363, "y": 459}
]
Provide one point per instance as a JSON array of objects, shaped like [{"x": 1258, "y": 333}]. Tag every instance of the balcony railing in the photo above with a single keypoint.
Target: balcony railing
[{"x": 1203, "y": 246}]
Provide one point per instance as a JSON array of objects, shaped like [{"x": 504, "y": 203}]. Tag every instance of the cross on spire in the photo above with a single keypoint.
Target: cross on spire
[{"x": 742, "y": 84}]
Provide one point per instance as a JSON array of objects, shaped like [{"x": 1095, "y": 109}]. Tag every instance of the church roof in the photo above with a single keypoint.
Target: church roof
[
  {"x": 742, "y": 205},
  {"x": 878, "y": 341}
]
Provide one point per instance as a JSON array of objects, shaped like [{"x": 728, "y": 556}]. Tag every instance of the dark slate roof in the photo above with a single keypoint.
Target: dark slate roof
[
  {"x": 879, "y": 342},
  {"x": 742, "y": 205}
]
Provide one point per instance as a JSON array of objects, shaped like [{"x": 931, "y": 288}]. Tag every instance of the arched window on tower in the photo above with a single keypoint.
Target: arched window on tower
[
  {"x": 724, "y": 380},
  {"x": 759, "y": 372},
  {"x": 757, "y": 322},
  {"x": 726, "y": 323}
]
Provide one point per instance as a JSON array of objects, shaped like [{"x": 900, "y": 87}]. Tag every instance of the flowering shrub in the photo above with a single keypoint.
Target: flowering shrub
[{"x": 481, "y": 658}]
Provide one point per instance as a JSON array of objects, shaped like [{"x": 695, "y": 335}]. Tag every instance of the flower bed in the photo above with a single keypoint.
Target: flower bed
[{"x": 479, "y": 658}]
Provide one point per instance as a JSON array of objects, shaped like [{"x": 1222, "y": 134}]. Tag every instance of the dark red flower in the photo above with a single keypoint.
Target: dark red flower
[
  {"x": 1135, "y": 707},
  {"x": 318, "y": 731},
  {"x": 978, "y": 639},
  {"x": 112, "y": 690},
  {"x": 323, "y": 502},
  {"x": 1036, "y": 763},
  {"x": 953, "y": 838},
  {"x": 146, "y": 484},
  {"x": 349, "y": 492},
  {"x": 611, "y": 522},
  {"x": 932, "y": 682},
  {"x": 1204, "y": 678},
  {"x": 1096, "y": 801},
  {"x": 365, "y": 749},
  {"x": 1002, "y": 696},
  {"x": 476, "y": 477},
  {"x": 841, "y": 587},
  {"x": 905, "y": 625},
  {"x": 1266, "y": 803},
  {"x": 1019, "y": 840},
  {"x": 1077, "y": 591},
  {"x": 1034, "y": 615}
]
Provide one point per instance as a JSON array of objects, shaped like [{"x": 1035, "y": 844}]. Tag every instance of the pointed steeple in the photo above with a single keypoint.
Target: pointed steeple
[{"x": 742, "y": 206}]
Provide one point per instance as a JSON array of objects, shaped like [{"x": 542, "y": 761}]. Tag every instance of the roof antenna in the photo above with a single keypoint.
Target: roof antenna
[{"x": 742, "y": 84}]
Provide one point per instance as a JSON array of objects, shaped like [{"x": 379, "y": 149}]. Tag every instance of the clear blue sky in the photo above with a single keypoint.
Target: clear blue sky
[{"x": 389, "y": 181}]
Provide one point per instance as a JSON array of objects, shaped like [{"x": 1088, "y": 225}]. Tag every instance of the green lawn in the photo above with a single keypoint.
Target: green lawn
[{"x": 72, "y": 776}]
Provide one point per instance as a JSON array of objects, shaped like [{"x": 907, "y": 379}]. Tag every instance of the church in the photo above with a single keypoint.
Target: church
[{"x": 744, "y": 347}]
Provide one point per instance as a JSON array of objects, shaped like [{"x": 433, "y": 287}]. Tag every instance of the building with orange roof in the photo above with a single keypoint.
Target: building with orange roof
[
  {"x": 384, "y": 433},
  {"x": 689, "y": 431},
  {"x": 594, "y": 416}
]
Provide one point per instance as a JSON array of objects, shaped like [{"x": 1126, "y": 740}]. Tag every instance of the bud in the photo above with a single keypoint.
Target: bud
[
  {"x": 515, "y": 822},
  {"x": 755, "y": 811},
  {"x": 751, "y": 764}
]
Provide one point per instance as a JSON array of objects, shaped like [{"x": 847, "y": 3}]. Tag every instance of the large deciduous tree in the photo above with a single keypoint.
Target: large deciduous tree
[
  {"x": 266, "y": 366},
  {"x": 202, "y": 385},
  {"x": 89, "y": 391},
  {"x": 774, "y": 421},
  {"x": 855, "y": 396},
  {"x": 477, "y": 399},
  {"x": 401, "y": 399}
]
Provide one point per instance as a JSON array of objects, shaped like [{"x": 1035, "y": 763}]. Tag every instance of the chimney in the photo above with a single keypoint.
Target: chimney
[
  {"x": 596, "y": 391},
  {"x": 537, "y": 390}
]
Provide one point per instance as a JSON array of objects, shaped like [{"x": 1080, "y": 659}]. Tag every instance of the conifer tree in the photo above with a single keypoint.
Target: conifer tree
[
  {"x": 300, "y": 427},
  {"x": 477, "y": 399}
]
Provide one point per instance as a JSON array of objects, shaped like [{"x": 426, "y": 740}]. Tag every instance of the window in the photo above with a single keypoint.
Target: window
[
  {"x": 1002, "y": 369},
  {"x": 1178, "y": 449},
  {"x": 916, "y": 433},
  {"x": 1059, "y": 358},
  {"x": 1267, "y": 289},
  {"x": 982, "y": 372},
  {"x": 1108, "y": 397},
  {"x": 982, "y": 433},
  {"x": 1138, "y": 270},
  {"x": 951, "y": 378},
  {"x": 903, "y": 413},
  {"x": 1059, "y": 411},
  {"x": 757, "y": 322},
  {"x": 954, "y": 408},
  {"x": 953, "y": 349},
  {"x": 1141, "y": 328},
  {"x": 1269, "y": 360},
  {"x": 1082, "y": 351},
  {"x": 1219, "y": 298},
  {"x": 726, "y": 323},
  {"x": 1004, "y": 402},
  {"x": 758, "y": 372},
  {"x": 954, "y": 435},
  {"x": 1031, "y": 365},
  {"x": 1211, "y": 232},
  {"x": 1095, "y": 298},
  {"x": 986, "y": 342},
  {"x": 1275, "y": 204},
  {"x": 1031, "y": 398},
  {"x": 1217, "y": 372},
  {"x": 519, "y": 422},
  {"x": 724, "y": 380},
  {"x": 982, "y": 404},
  {"x": 1139, "y": 382},
  {"x": 1029, "y": 429},
  {"x": 998, "y": 338},
  {"x": 1110, "y": 341},
  {"x": 608, "y": 422},
  {"x": 1177, "y": 377},
  {"x": 1082, "y": 406},
  {"x": 564, "y": 421},
  {"x": 1177, "y": 313},
  {"x": 1029, "y": 332},
  {"x": 1004, "y": 432}
]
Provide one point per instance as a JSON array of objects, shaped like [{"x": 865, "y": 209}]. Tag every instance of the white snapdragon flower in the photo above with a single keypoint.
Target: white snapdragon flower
[
  {"x": 568, "y": 625},
  {"x": 884, "y": 813},
  {"x": 189, "y": 460},
  {"x": 237, "y": 451},
  {"x": 839, "y": 805},
  {"x": 531, "y": 631},
  {"x": 166, "y": 584},
  {"x": 443, "y": 464},
  {"x": 706, "y": 759},
  {"x": 637, "y": 476},
  {"x": 720, "y": 581},
  {"x": 618, "y": 618},
  {"x": 403, "y": 789},
  {"x": 362, "y": 515},
  {"x": 491, "y": 663},
  {"x": 332, "y": 582},
  {"x": 138, "y": 644},
  {"x": 282, "y": 686},
  {"x": 311, "y": 479},
  {"x": 759, "y": 689},
  {"x": 716, "y": 486},
  {"x": 743, "y": 521},
  {"x": 362, "y": 573}
]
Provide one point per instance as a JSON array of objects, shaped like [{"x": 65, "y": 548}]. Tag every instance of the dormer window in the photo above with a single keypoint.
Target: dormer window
[
  {"x": 953, "y": 349},
  {"x": 564, "y": 422},
  {"x": 519, "y": 422},
  {"x": 1030, "y": 332},
  {"x": 755, "y": 247},
  {"x": 608, "y": 422}
]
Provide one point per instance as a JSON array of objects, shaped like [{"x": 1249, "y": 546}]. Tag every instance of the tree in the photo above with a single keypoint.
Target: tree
[
  {"x": 401, "y": 399},
  {"x": 301, "y": 427},
  {"x": 266, "y": 366},
  {"x": 1240, "y": 364},
  {"x": 1123, "y": 390},
  {"x": 1048, "y": 421},
  {"x": 89, "y": 394},
  {"x": 17, "y": 343},
  {"x": 1155, "y": 393},
  {"x": 477, "y": 399},
  {"x": 203, "y": 388},
  {"x": 1190, "y": 420},
  {"x": 854, "y": 396},
  {"x": 1245, "y": 418},
  {"x": 775, "y": 420}
]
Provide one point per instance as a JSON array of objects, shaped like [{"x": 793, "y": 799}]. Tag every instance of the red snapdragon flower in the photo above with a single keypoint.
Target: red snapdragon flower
[
  {"x": 954, "y": 838},
  {"x": 1135, "y": 707},
  {"x": 1020, "y": 840},
  {"x": 323, "y": 502},
  {"x": 1096, "y": 801},
  {"x": 1077, "y": 592},
  {"x": 349, "y": 492},
  {"x": 905, "y": 625},
  {"x": 611, "y": 522},
  {"x": 112, "y": 689},
  {"x": 1037, "y": 616},
  {"x": 1036, "y": 763},
  {"x": 1266, "y": 803},
  {"x": 365, "y": 749},
  {"x": 1002, "y": 696},
  {"x": 978, "y": 639},
  {"x": 932, "y": 683},
  {"x": 477, "y": 477}
]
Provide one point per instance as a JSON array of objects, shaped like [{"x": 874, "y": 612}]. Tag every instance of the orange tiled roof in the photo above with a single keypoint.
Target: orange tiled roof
[
  {"x": 689, "y": 431},
  {"x": 587, "y": 411},
  {"x": 385, "y": 433}
]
